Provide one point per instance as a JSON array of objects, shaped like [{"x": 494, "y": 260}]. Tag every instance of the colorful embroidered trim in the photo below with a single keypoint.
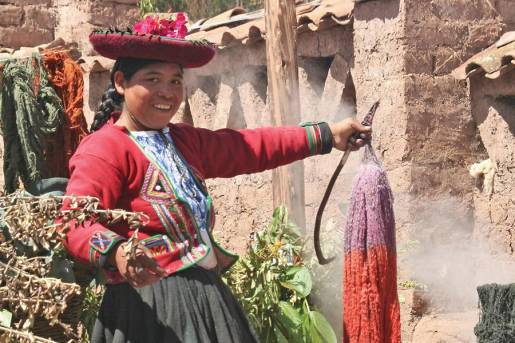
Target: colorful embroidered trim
[
  {"x": 319, "y": 137},
  {"x": 103, "y": 241},
  {"x": 155, "y": 187},
  {"x": 159, "y": 245}
]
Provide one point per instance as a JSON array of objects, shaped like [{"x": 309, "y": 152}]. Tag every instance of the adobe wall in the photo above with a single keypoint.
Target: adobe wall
[
  {"x": 78, "y": 18},
  {"x": 26, "y": 22},
  {"x": 441, "y": 129},
  {"x": 424, "y": 130},
  {"x": 493, "y": 107},
  {"x": 378, "y": 71}
]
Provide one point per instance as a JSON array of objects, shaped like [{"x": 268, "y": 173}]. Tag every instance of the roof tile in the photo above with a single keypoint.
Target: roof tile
[
  {"x": 236, "y": 27},
  {"x": 492, "y": 62}
]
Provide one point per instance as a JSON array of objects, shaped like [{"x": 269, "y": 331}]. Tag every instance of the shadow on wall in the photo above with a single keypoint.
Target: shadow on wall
[
  {"x": 326, "y": 89},
  {"x": 505, "y": 106},
  {"x": 372, "y": 9}
]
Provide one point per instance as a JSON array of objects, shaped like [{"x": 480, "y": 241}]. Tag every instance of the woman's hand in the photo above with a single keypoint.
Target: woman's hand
[
  {"x": 343, "y": 134},
  {"x": 141, "y": 271}
]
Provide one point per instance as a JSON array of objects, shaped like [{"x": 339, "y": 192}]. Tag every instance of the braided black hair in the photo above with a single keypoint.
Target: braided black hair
[{"x": 111, "y": 99}]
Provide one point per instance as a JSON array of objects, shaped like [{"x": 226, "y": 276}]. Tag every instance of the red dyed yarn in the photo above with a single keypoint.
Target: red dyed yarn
[
  {"x": 67, "y": 80},
  {"x": 371, "y": 312}
]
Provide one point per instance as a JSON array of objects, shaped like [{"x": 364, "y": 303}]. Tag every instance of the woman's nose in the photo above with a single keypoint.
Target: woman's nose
[{"x": 166, "y": 92}]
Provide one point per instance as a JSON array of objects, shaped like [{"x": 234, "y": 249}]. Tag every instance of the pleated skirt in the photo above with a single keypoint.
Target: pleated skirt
[{"x": 188, "y": 307}]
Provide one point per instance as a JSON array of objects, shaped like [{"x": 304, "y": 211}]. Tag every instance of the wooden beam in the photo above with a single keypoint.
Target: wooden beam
[{"x": 283, "y": 84}]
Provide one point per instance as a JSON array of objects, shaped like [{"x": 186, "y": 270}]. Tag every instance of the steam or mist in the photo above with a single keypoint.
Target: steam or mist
[
  {"x": 444, "y": 256},
  {"x": 328, "y": 279}
]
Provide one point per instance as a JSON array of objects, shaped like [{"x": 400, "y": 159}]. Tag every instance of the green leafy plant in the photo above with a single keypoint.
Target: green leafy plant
[
  {"x": 92, "y": 299},
  {"x": 197, "y": 9},
  {"x": 147, "y": 6},
  {"x": 273, "y": 286}
]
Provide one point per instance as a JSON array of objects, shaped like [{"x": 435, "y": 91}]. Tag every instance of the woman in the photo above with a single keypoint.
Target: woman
[{"x": 137, "y": 161}]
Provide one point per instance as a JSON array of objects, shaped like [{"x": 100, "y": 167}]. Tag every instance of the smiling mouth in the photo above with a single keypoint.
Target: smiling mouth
[{"x": 163, "y": 107}]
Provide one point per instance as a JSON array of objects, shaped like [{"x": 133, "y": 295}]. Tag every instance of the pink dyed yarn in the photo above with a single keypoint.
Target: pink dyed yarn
[{"x": 371, "y": 307}]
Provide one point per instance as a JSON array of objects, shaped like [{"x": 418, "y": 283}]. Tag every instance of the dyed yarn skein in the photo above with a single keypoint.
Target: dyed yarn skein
[
  {"x": 371, "y": 311},
  {"x": 497, "y": 321}
]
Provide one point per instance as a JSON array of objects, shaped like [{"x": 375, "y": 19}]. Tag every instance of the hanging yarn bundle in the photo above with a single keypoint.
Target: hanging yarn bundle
[
  {"x": 30, "y": 114},
  {"x": 497, "y": 321},
  {"x": 370, "y": 301},
  {"x": 67, "y": 79}
]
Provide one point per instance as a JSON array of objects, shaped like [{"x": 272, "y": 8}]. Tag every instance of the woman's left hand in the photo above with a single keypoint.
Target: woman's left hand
[{"x": 343, "y": 134}]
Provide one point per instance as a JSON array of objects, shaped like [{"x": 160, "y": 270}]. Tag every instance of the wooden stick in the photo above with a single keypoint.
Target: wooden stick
[{"x": 283, "y": 84}]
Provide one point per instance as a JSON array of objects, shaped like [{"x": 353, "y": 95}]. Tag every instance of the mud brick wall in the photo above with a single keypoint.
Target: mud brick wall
[
  {"x": 26, "y": 22},
  {"x": 424, "y": 130},
  {"x": 493, "y": 104},
  {"x": 379, "y": 74},
  {"x": 441, "y": 130},
  {"x": 77, "y": 18}
]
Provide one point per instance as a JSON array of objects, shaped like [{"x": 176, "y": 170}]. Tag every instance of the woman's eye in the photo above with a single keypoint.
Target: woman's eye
[
  {"x": 153, "y": 80},
  {"x": 177, "y": 82}
]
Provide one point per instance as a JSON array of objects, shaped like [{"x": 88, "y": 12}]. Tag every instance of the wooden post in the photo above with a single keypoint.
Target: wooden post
[{"x": 283, "y": 85}]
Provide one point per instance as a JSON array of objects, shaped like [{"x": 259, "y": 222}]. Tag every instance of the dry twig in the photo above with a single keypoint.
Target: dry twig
[{"x": 25, "y": 288}]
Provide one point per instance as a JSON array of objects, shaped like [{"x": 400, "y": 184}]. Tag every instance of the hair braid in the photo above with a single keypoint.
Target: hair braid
[{"x": 111, "y": 101}]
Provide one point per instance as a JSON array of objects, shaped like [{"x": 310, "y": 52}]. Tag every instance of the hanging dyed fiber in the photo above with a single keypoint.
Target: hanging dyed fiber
[
  {"x": 497, "y": 321},
  {"x": 30, "y": 114},
  {"x": 67, "y": 80},
  {"x": 371, "y": 307}
]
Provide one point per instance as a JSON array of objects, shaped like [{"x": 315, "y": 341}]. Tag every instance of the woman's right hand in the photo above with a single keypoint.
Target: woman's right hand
[{"x": 140, "y": 271}]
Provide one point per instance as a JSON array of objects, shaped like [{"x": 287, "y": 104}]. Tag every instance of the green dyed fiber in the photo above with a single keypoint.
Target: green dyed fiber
[
  {"x": 497, "y": 320},
  {"x": 30, "y": 113}
]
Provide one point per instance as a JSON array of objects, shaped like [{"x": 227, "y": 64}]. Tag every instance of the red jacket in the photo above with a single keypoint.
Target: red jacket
[{"x": 110, "y": 166}]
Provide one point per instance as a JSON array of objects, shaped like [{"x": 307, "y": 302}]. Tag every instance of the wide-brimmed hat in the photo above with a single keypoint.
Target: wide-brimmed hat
[{"x": 154, "y": 39}]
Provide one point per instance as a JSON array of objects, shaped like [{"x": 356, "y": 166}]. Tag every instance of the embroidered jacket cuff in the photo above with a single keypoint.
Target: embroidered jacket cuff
[
  {"x": 100, "y": 245},
  {"x": 320, "y": 137}
]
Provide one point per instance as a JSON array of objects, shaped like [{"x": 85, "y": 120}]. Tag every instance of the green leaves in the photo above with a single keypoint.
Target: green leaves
[
  {"x": 317, "y": 329},
  {"x": 297, "y": 278},
  {"x": 273, "y": 286},
  {"x": 289, "y": 323}
]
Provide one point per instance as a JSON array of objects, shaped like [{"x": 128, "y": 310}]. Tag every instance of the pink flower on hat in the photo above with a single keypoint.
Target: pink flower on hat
[
  {"x": 167, "y": 28},
  {"x": 147, "y": 25}
]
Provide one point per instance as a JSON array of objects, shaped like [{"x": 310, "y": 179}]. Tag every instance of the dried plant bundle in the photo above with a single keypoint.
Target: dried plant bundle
[{"x": 38, "y": 225}]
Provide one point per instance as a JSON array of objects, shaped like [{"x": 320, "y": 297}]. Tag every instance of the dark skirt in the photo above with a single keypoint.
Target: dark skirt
[{"x": 191, "y": 306}]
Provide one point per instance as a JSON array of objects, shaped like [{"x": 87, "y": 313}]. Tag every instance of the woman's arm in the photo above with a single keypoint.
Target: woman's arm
[
  {"x": 227, "y": 153},
  {"x": 93, "y": 176},
  {"x": 93, "y": 242}
]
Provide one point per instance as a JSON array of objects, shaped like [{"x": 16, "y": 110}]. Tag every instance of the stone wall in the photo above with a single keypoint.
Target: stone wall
[
  {"x": 26, "y": 22},
  {"x": 493, "y": 104}
]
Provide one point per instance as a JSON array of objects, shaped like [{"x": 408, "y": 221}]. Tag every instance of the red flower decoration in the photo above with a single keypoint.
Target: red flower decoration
[{"x": 167, "y": 28}]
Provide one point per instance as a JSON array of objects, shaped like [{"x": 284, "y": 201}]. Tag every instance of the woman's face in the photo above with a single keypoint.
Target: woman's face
[{"x": 153, "y": 94}]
